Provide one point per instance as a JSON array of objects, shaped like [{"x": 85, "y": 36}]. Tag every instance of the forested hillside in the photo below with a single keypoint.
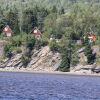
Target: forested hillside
[
  {"x": 6, "y": 4},
  {"x": 64, "y": 20}
]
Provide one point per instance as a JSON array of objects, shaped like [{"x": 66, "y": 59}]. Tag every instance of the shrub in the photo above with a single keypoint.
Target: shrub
[
  {"x": 30, "y": 42},
  {"x": 25, "y": 60},
  {"x": 74, "y": 60},
  {"x": 2, "y": 35},
  {"x": 15, "y": 41},
  {"x": 23, "y": 39},
  {"x": 53, "y": 45},
  {"x": 44, "y": 42},
  {"x": 7, "y": 50},
  {"x": 18, "y": 50},
  {"x": 38, "y": 44}
]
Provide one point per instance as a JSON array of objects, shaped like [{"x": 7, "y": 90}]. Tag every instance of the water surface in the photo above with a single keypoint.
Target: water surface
[{"x": 29, "y": 86}]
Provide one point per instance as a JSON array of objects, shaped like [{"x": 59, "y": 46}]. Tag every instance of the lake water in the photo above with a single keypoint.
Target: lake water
[{"x": 28, "y": 86}]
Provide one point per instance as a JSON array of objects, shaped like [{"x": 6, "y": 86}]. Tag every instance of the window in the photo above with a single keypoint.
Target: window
[
  {"x": 35, "y": 31},
  {"x": 8, "y": 34},
  {"x": 37, "y": 37},
  {"x": 6, "y": 29}
]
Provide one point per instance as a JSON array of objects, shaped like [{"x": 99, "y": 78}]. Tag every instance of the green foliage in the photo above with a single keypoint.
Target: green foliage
[
  {"x": 86, "y": 41},
  {"x": 12, "y": 20},
  {"x": 74, "y": 60},
  {"x": 25, "y": 60},
  {"x": 97, "y": 41},
  {"x": 30, "y": 19},
  {"x": 30, "y": 42},
  {"x": 18, "y": 50},
  {"x": 23, "y": 37},
  {"x": 88, "y": 51},
  {"x": 12, "y": 44},
  {"x": 7, "y": 50},
  {"x": 69, "y": 58},
  {"x": 16, "y": 29},
  {"x": 62, "y": 11},
  {"x": 90, "y": 56},
  {"x": 29, "y": 46},
  {"x": 53, "y": 45},
  {"x": 48, "y": 3},
  {"x": 15, "y": 41},
  {"x": 38, "y": 44},
  {"x": 2, "y": 36},
  {"x": 44, "y": 42},
  {"x": 54, "y": 9},
  {"x": 65, "y": 63},
  {"x": 50, "y": 25}
]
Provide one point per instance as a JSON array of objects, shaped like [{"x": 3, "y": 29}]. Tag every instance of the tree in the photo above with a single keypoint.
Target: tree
[
  {"x": 90, "y": 56},
  {"x": 65, "y": 63},
  {"x": 53, "y": 45},
  {"x": 68, "y": 51},
  {"x": 2, "y": 20},
  {"x": 42, "y": 14},
  {"x": 62, "y": 11},
  {"x": 88, "y": 51},
  {"x": 62, "y": 23},
  {"x": 30, "y": 19},
  {"x": 50, "y": 25},
  {"x": 54, "y": 9},
  {"x": 16, "y": 29},
  {"x": 12, "y": 18}
]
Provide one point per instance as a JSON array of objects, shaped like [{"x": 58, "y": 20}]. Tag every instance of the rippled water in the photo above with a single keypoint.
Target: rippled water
[{"x": 27, "y": 86}]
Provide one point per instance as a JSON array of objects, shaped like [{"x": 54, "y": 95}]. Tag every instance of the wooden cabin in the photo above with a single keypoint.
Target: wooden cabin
[
  {"x": 37, "y": 34},
  {"x": 91, "y": 36},
  {"x": 7, "y": 31}
]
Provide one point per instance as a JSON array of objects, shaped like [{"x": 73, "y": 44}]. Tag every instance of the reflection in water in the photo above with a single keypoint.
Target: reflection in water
[{"x": 27, "y": 86}]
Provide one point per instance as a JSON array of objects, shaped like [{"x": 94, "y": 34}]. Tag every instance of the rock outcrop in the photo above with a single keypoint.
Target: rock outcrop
[
  {"x": 82, "y": 67},
  {"x": 14, "y": 62},
  {"x": 44, "y": 60},
  {"x": 86, "y": 69},
  {"x": 41, "y": 60}
]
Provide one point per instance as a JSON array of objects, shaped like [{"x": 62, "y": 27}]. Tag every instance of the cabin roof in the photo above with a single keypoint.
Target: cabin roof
[
  {"x": 32, "y": 32},
  {"x": 8, "y": 28}
]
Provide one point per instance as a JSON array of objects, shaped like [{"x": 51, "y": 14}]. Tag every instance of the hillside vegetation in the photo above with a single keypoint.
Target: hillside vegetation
[
  {"x": 6, "y": 4},
  {"x": 65, "y": 21}
]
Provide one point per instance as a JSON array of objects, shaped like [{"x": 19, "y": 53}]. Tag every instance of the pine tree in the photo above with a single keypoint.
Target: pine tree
[
  {"x": 88, "y": 51},
  {"x": 62, "y": 11},
  {"x": 89, "y": 54},
  {"x": 16, "y": 28},
  {"x": 54, "y": 9},
  {"x": 67, "y": 57}
]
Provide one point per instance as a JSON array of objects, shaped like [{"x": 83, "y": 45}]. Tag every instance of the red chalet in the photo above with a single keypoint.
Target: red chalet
[
  {"x": 37, "y": 34},
  {"x": 7, "y": 31},
  {"x": 91, "y": 36}
]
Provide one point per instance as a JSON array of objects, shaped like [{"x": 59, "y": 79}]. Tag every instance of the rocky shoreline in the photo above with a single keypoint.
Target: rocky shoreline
[
  {"x": 44, "y": 72},
  {"x": 44, "y": 60},
  {"x": 41, "y": 60}
]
